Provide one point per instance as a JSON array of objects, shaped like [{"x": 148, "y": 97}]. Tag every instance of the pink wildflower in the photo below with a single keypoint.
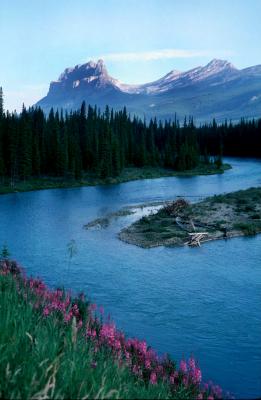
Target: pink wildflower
[
  {"x": 93, "y": 307},
  {"x": 159, "y": 369},
  {"x": 218, "y": 391},
  {"x": 117, "y": 345},
  {"x": 197, "y": 375},
  {"x": 67, "y": 317},
  {"x": 143, "y": 347},
  {"x": 75, "y": 310},
  {"x": 46, "y": 311},
  {"x": 191, "y": 363},
  {"x": 183, "y": 366},
  {"x": 185, "y": 381},
  {"x": 153, "y": 378},
  {"x": 135, "y": 369},
  {"x": 108, "y": 333},
  {"x": 80, "y": 324}
]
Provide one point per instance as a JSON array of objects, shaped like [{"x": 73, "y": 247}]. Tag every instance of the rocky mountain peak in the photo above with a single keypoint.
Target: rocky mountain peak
[
  {"x": 217, "y": 65},
  {"x": 81, "y": 71}
]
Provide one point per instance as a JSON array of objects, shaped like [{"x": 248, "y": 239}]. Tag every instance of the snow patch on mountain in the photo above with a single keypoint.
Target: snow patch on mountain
[{"x": 221, "y": 68}]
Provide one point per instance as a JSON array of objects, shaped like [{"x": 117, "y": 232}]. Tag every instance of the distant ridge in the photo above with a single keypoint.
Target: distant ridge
[{"x": 217, "y": 90}]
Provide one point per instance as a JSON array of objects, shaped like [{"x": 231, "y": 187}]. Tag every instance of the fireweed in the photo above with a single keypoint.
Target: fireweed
[{"x": 88, "y": 321}]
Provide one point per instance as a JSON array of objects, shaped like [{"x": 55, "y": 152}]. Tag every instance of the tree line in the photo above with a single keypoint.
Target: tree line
[{"x": 104, "y": 143}]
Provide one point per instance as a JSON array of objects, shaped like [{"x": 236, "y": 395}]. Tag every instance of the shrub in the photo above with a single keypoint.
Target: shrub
[
  {"x": 144, "y": 220},
  {"x": 255, "y": 216},
  {"x": 246, "y": 228},
  {"x": 5, "y": 254}
]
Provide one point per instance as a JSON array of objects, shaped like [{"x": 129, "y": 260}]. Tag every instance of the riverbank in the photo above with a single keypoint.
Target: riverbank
[
  {"x": 128, "y": 174},
  {"x": 69, "y": 351},
  {"x": 223, "y": 216}
]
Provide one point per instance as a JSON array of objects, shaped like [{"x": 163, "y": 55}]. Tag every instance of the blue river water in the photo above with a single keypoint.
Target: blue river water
[{"x": 202, "y": 301}]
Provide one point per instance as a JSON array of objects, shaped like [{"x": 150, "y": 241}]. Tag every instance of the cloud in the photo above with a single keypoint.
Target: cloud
[{"x": 156, "y": 55}]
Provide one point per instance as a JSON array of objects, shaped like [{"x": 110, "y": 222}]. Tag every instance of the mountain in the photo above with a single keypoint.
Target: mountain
[{"x": 217, "y": 90}]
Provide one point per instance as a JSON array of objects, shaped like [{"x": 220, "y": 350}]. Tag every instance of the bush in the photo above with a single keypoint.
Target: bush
[
  {"x": 144, "y": 220},
  {"x": 255, "y": 216},
  {"x": 246, "y": 228},
  {"x": 250, "y": 208}
]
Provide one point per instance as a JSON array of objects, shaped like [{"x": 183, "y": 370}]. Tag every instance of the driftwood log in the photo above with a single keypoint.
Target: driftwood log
[{"x": 196, "y": 237}]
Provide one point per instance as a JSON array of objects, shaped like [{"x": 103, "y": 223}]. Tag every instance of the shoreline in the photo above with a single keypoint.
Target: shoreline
[
  {"x": 219, "y": 217},
  {"x": 136, "y": 243},
  {"x": 127, "y": 175}
]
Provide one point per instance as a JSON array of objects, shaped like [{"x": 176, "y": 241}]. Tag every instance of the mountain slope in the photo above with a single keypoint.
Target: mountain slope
[{"x": 217, "y": 90}]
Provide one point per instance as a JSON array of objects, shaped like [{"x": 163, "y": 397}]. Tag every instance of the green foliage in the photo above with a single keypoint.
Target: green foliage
[
  {"x": 5, "y": 254},
  {"x": 246, "y": 228},
  {"x": 256, "y": 216},
  {"x": 1, "y": 102},
  {"x": 218, "y": 162}
]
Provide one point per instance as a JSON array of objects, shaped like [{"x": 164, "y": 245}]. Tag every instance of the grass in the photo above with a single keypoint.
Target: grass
[
  {"x": 49, "y": 351},
  {"x": 128, "y": 174}
]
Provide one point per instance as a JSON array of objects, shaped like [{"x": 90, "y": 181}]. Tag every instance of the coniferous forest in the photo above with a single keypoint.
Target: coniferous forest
[{"x": 70, "y": 144}]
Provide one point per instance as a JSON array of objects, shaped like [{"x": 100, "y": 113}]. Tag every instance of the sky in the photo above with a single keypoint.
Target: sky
[{"x": 139, "y": 40}]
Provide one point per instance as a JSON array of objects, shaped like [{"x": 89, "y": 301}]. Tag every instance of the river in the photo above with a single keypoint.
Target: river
[{"x": 202, "y": 301}]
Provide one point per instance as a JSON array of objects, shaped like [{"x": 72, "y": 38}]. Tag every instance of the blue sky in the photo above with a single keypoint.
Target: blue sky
[{"x": 140, "y": 40}]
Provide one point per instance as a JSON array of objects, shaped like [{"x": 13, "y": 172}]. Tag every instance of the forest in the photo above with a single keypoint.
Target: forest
[{"x": 66, "y": 144}]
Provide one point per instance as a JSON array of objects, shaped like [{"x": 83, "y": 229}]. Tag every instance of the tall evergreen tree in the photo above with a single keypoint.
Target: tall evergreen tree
[{"x": 1, "y": 102}]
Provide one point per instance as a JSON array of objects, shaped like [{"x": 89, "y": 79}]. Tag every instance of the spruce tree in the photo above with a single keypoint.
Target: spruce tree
[{"x": 1, "y": 102}]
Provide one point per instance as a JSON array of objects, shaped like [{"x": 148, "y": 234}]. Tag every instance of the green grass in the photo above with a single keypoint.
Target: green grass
[
  {"x": 41, "y": 358},
  {"x": 128, "y": 174}
]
